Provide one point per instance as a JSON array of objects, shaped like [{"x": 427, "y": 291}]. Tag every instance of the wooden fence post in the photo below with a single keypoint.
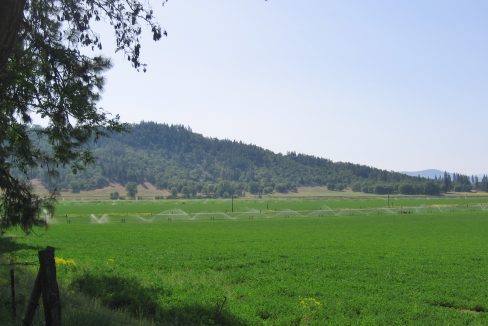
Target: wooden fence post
[
  {"x": 47, "y": 286},
  {"x": 50, "y": 289},
  {"x": 12, "y": 292},
  {"x": 33, "y": 301}
]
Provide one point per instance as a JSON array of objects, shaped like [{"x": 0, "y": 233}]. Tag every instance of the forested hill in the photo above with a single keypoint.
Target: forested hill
[{"x": 175, "y": 158}]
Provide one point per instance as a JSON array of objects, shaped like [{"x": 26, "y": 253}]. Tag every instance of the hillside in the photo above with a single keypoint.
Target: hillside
[{"x": 184, "y": 162}]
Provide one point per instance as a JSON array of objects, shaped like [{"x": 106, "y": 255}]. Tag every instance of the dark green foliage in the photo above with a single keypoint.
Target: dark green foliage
[
  {"x": 120, "y": 293},
  {"x": 129, "y": 294},
  {"x": 357, "y": 187},
  {"x": 131, "y": 188},
  {"x": 432, "y": 188},
  {"x": 446, "y": 182},
  {"x": 483, "y": 186},
  {"x": 383, "y": 190},
  {"x": 408, "y": 189},
  {"x": 254, "y": 188},
  {"x": 75, "y": 187},
  {"x": 462, "y": 183},
  {"x": 48, "y": 71},
  {"x": 188, "y": 164}
]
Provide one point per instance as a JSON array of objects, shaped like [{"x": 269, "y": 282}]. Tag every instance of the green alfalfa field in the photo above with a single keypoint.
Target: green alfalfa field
[{"x": 269, "y": 261}]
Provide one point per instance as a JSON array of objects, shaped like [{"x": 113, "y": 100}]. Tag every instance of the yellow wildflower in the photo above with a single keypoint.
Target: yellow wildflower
[
  {"x": 311, "y": 309},
  {"x": 64, "y": 262},
  {"x": 310, "y": 303}
]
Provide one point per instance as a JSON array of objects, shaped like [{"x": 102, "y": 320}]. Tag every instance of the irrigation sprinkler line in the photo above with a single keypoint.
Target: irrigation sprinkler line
[
  {"x": 178, "y": 214},
  {"x": 145, "y": 220}
]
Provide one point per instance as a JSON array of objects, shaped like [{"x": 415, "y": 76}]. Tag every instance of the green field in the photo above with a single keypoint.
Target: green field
[
  {"x": 271, "y": 205},
  {"x": 356, "y": 261}
]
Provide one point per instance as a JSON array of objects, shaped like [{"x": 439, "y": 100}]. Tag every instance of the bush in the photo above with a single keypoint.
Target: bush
[
  {"x": 281, "y": 187},
  {"x": 75, "y": 188},
  {"x": 367, "y": 189},
  {"x": 331, "y": 186},
  {"x": 268, "y": 190},
  {"x": 340, "y": 187},
  {"x": 432, "y": 189},
  {"x": 131, "y": 188},
  {"x": 407, "y": 189},
  {"x": 254, "y": 188},
  {"x": 463, "y": 188},
  {"x": 356, "y": 187},
  {"x": 383, "y": 190}
]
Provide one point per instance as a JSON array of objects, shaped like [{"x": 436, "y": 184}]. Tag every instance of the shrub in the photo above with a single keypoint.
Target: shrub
[
  {"x": 407, "y": 189},
  {"x": 432, "y": 189}
]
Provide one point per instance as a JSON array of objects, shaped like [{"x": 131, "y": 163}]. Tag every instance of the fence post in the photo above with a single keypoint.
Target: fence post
[
  {"x": 33, "y": 301},
  {"x": 12, "y": 290},
  {"x": 50, "y": 289}
]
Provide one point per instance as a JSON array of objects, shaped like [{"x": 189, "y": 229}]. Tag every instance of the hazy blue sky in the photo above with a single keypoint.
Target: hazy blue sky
[{"x": 400, "y": 85}]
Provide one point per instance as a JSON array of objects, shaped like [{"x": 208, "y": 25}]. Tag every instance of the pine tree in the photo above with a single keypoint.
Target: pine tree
[{"x": 446, "y": 182}]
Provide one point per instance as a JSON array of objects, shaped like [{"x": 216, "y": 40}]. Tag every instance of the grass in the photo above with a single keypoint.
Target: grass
[
  {"x": 148, "y": 191},
  {"x": 245, "y": 205},
  {"x": 364, "y": 269},
  {"x": 77, "y": 309}
]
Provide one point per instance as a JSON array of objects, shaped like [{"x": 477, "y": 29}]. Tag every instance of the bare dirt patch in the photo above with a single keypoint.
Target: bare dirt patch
[{"x": 478, "y": 309}]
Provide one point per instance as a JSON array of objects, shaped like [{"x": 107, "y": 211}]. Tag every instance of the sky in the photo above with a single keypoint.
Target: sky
[{"x": 400, "y": 85}]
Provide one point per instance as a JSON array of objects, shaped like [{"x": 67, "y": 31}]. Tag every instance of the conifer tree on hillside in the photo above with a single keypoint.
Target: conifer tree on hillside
[{"x": 446, "y": 182}]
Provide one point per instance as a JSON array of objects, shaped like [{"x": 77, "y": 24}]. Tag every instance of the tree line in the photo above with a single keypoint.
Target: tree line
[{"x": 189, "y": 164}]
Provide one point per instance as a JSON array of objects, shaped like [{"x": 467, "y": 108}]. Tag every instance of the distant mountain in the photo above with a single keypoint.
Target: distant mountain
[
  {"x": 429, "y": 174},
  {"x": 433, "y": 173},
  {"x": 177, "y": 159}
]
